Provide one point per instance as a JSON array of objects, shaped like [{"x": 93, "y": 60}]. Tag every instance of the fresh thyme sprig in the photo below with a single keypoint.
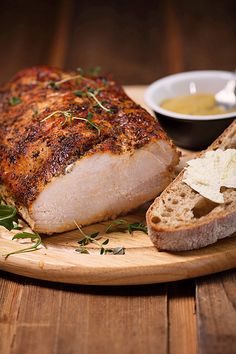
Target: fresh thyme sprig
[
  {"x": 67, "y": 115},
  {"x": 124, "y": 225},
  {"x": 92, "y": 71},
  {"x": 98, "y": 102},
  {"x": 35, "y": 238},
  {"x": 68, "y": 118},
  {"x": 91, "y": 238},
  {"x": 91, "y": 92},
  {"x": 56, "y": 84}
]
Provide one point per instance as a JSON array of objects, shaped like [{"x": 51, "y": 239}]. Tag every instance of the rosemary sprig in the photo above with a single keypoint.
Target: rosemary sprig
[
  {"x": 8, "y": 217},
  {"x": 35, "y": 238},
  {"x": 91, "y": 238},
  {"x": 123, "y": 225},
  {"x": 68, "y": 118}
]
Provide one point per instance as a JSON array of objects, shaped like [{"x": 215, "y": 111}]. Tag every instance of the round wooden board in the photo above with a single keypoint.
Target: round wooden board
[
  {"x": 58, "y": 261},
  {"x": 142, "y": 263}
]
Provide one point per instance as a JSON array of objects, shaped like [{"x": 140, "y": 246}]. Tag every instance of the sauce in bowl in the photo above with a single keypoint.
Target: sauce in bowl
[{"x": 197, "y": 104}]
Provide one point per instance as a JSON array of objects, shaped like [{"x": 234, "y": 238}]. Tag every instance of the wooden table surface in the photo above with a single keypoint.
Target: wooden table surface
[{"x": 185, "y": 317}]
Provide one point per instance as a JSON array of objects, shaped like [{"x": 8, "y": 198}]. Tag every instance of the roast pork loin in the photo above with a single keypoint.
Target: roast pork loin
[{"x": 76, "y": 148}]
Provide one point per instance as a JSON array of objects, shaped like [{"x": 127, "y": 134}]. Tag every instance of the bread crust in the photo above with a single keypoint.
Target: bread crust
[{"x": 202, "y": 232}]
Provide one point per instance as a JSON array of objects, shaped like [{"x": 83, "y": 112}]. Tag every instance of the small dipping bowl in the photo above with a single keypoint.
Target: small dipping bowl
[{"x": 195, "y": 132}]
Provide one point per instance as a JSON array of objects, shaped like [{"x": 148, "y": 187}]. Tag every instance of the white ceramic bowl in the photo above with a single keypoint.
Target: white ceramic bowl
[{"x": 193, "y": 132}]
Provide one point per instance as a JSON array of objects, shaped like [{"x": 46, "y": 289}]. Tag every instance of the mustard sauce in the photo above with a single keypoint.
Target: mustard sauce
[{"x": 197, "y": 104}]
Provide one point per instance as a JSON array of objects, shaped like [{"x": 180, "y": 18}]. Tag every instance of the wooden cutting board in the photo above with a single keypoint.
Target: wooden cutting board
[{"x": 58, "y": 261}]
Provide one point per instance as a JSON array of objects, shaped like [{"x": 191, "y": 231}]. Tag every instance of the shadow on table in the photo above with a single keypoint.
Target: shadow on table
[{"x": 179, "y": 288}]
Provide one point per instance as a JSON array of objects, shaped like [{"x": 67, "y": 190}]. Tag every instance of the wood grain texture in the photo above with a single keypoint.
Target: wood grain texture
[
  {"x": 10, "y": 300},
  {"x": 182, "y": 318},
  {"x": 62, "y": 30},
  {"x": 142, "y": 42},
  {"x": 26, "y": 33},
  {"x": 82, "y": 319},
  {"x": 137, "y": 43},
  {"x": 216, "y": 313}
]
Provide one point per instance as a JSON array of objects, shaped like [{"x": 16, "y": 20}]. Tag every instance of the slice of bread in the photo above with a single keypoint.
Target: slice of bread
[{"x": 181, "y": 219}]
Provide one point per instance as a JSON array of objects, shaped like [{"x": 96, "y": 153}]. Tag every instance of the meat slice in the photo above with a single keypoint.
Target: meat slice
[{"x": 77, "y": 148}]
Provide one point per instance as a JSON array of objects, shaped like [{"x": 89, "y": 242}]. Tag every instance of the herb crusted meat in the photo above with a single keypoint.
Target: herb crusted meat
[{"x": 77, "y": 148}]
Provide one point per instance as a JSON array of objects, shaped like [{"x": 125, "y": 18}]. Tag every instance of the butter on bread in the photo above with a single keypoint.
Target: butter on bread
[
  {"x": 183, "y": 219},
  {"x": 208, "y": 173}
]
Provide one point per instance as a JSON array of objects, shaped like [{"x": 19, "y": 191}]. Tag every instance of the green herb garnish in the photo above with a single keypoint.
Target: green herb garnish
[
  {"x": 53, "y": 85},
  {"x": 8, "y": 217},
  {"x": 79, "y": 93},
  {"x": 68, "y": 118},
  {"x": 25, "y": 235},
  {"x": 98, "y": 102},
  {"x": 90, "y": 121},
  {"x": 91, "y": 238},
  {"x": 95, "y": 71},
  {"x": 123, "y": 225},
  {"x": 14, "y": 100},
  {"x": 56, "y": 84}
]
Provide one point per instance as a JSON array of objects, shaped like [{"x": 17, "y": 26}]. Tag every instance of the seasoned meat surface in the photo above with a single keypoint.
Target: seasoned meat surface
[{"x": 49, "y": 119}]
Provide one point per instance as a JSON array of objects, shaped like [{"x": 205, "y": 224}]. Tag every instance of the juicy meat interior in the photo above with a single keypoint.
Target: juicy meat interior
[{"x": 77, "y": 148}]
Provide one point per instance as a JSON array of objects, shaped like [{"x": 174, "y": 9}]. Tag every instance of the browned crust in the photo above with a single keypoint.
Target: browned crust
[
  {"x": 204, "y": 231},
  {"x": 32, "y": 152},
  {"x": 193, "y": 237}
]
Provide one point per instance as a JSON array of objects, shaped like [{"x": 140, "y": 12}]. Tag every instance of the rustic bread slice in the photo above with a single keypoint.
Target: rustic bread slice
[{"x": 181, "y": 219}]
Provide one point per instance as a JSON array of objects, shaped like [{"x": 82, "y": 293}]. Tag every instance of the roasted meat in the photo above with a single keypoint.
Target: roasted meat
[{"x": 77, "y": 148}]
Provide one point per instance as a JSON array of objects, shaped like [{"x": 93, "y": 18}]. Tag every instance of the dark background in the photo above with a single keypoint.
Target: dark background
[{"x": 139, "y": 41}]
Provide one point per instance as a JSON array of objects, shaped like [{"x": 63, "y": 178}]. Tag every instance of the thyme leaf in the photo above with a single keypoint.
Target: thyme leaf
[
  {"x": 123, "y": 225},
  {"x": 78, "y": 93},
  {"x": 137, "y": 226},
  {"x": 53, "y": 85},
  {"x": 14, "y": 100},
  {"x": 35, "y": 238},
  {"x": 91, "y": 238},
  {"x": 115, "y": 224},
  {"x": 94, "y": 125}
]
